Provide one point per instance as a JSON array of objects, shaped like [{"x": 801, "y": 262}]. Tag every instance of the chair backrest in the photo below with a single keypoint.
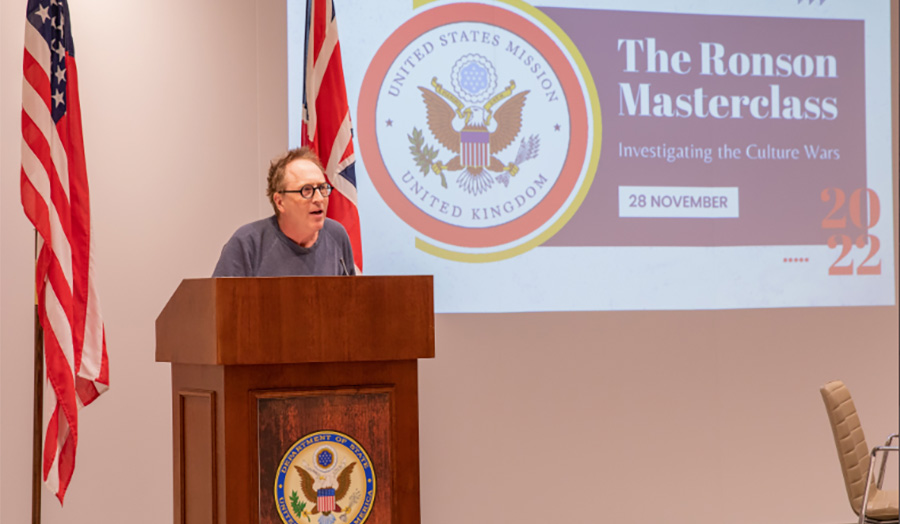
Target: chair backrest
[{"x": 849, "y": 439}]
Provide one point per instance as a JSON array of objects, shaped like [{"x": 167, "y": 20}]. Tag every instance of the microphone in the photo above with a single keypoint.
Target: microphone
[{"x": 344, "y": 267}]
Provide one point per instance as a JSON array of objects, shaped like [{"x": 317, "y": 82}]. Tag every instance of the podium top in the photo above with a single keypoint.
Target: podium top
[{"x": 286, "y": 320}]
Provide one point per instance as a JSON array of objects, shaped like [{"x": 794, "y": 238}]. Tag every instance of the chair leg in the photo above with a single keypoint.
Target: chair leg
[{"x": 865, "y": 500}]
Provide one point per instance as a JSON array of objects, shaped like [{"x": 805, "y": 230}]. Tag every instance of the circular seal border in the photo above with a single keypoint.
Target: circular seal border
[
  {"x": 298, "y": 447},
  {"x": 572, "y": 167}
]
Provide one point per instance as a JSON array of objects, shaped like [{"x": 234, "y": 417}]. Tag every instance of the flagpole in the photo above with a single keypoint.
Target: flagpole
[{"x": 38, "y": 413}]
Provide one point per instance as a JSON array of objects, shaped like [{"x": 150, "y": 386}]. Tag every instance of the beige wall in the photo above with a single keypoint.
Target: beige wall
[{"x": 683, "y": 418}]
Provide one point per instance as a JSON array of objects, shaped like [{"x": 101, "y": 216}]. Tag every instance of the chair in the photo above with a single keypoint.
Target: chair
[{"x": 873, "y": 504}]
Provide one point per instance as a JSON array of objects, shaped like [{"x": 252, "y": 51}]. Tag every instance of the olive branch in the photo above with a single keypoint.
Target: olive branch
[
  {"x": 298, "y": 506},
  {"x": 424, "y": 155}
]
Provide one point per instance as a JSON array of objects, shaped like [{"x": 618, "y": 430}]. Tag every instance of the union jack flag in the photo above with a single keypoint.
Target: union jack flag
[
  {"x": 326, "y": 117},
  {"x": 55, "y": 197}
]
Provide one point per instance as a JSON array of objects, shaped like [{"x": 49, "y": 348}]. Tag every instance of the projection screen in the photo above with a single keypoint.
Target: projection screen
[{"x": 645, "y": 155}]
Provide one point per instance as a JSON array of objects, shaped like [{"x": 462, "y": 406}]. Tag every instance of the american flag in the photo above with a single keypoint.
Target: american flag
[
  {"x": 326, "y": 117},
  {"x": 325, "y": 500},
  {"x": 55, "y": 197},
  {"x": 475, "y": 147}
]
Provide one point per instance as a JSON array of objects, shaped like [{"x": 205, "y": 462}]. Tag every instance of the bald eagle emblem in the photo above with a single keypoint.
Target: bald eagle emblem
[
  {"x": 475, "y": 123},
  {"x": 325, "y": 481}
]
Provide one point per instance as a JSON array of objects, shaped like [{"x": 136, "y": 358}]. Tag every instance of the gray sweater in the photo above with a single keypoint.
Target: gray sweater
[{"x": 260, "y": 249}]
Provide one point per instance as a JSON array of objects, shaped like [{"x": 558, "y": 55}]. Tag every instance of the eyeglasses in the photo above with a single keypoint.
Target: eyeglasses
[{"x": 308, "y": 191}]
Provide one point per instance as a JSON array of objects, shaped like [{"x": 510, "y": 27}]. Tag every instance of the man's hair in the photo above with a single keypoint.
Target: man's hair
[{"x": 277, "y": 167}]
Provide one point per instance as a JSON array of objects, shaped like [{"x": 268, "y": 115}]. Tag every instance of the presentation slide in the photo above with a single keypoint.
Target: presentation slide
[{"x": 575, "y": 155}]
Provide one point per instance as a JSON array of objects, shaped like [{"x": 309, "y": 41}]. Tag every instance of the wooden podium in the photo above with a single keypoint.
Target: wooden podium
[{"x": 286, "y": 388}]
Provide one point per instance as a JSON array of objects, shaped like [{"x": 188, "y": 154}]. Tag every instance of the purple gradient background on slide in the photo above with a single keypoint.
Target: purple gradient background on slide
[{"x": 780, "y": 200}]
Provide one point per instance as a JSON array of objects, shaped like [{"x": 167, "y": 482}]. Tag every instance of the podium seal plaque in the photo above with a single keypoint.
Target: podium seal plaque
[{"x": 325, "y": 477}]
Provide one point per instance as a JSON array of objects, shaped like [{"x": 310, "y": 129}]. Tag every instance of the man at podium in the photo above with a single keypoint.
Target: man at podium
[{"x": 298, "y": 239}]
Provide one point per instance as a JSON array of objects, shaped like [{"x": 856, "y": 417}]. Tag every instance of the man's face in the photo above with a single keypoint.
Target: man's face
[{"x": 300, "y": 218}]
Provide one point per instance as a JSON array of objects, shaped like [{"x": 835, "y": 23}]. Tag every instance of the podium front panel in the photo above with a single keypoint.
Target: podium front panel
[{"x": 324, "y": 454}]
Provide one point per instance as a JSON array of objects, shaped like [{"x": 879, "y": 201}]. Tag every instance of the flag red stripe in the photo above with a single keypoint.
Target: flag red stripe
[
  {"x": 103, "y": 378},
  {"x": 350, "y": 221},
  {"x": 38, "y": 144},
  {"x": 61, "y": 289},
  {"x": 35, "y": 207},
  {"x": 80, "y": 205},
  {"x": 318, "y": 26},
  {"x": 58, "y": 369},
  {"x": 87, "y": 391},
  {"x": 49, "y": 267},
  {"x": 37, "y": 77},
  {"x": 61, "y": 381},
  {"x": 67, "y": 460},
  {"x": 50, "y": 448},
  {"x": 329, "y": 98},
  {"x": 62, "y": 297},
  {"x": 36, "y": 141}
]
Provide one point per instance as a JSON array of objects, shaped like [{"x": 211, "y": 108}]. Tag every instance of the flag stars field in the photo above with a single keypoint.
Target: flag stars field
[{"x": 43, "y": 12}]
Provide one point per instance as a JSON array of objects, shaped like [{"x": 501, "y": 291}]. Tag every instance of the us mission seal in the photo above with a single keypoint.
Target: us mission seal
[{"x": 476, "y": 129}]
